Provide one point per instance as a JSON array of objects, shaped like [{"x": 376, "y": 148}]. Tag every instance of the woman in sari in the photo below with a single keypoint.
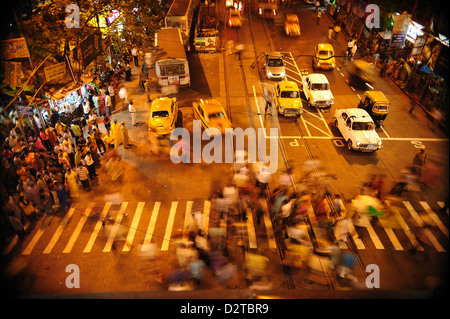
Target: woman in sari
[{"x": 72, "y": 183}]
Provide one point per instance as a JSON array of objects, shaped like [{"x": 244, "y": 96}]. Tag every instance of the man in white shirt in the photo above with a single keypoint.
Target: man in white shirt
[
  {"x": 134, "y": 53},
  {"x": 108, "y": 104},
  {"x": 132, "y": 111},
  {"x": 86, "y": 108}
]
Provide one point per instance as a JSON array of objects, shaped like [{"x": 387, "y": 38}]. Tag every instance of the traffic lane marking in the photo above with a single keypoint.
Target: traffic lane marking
[{"x": 382, "y": 138}]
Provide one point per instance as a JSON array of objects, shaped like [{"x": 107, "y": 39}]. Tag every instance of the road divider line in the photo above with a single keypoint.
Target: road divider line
[
  {"x": 134, "y": 226},
  {"x": 59, "y": 230},
  {"x": 206, "y": 211},
  {"x": 151, "y": 227},
  {"x": 187, "y": 218},
  {"x": 169, "y": 227},
  {"x": 45, "y": 221},
  {"x": 435, "y": 218},
  {"x": 78, "y": 229},
  {"x": 115, "y": 228},
  {"x": 420, "y": 222}
]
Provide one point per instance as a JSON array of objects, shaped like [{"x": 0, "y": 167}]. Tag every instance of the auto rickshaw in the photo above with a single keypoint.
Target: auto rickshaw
[{"x": 376, "y": 104}]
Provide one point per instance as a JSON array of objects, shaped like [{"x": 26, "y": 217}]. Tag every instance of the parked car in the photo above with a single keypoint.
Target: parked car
[
  {"x": 317, "y": 91},
  {"x": 291, "y": 25},
  {"x": 211, "y": 114},
  {"x": 324, "y": 57},
  {"x": 287, "y": 98},
  {"x": 274, "y": 66},
  {"x": 163, "y": 115},
  {"x": 358, "y": 129}
]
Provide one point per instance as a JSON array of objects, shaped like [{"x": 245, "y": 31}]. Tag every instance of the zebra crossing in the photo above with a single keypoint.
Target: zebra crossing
[
  {"x": 399, "y": 230},
  {"x": 139, "y": 224}
]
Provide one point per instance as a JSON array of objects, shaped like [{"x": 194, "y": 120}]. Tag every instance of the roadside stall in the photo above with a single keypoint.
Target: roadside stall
[{"x": 65, "y": 103}]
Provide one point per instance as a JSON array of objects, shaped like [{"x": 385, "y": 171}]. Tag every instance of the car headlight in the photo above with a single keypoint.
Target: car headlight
[
  {"x": 379, "y": 143},
  {"x": 269, "y": 73},
  {"x": 282, "y": 74},
  {"x": 357, "y": 143}
]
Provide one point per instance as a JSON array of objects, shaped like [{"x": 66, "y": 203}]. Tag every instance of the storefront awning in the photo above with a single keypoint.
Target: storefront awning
[
  {"x": 58, "y": 93},
  {"x": 386, "y": 35}
]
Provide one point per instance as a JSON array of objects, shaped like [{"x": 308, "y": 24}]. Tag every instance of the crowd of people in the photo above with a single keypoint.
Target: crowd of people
[{"x": 45, "y": 171}]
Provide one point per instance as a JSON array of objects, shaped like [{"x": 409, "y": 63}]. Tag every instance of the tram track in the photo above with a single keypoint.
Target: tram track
[
  {"x": 281, "y": 244},
  {"x": 280, "y": 241},
  {"x": 279, "y": 237}
]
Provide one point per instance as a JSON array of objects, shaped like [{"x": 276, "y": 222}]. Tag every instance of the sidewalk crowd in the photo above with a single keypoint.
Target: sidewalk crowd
[{"x": 46, "y": 170}]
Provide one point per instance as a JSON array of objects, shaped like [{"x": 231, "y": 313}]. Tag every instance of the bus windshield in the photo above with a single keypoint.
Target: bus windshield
[{"x": 172, "y": 69}]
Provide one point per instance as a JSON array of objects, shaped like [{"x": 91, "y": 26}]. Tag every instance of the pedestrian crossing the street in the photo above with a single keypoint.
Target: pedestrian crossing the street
[{"x": 96, "y": 227}]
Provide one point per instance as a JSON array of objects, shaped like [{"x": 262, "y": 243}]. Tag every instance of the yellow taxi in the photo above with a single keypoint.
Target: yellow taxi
[
  {"x": 163, "y": 115},
  {"x": 324, "y": 57},
  {"x": 211, "y": 114},
  {"x": 291, "y": 25},
  {"x": 287, "y": 98}
]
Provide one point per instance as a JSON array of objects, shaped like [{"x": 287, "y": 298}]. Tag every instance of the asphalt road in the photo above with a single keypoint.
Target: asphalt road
[{"x": 150, "y": 180}]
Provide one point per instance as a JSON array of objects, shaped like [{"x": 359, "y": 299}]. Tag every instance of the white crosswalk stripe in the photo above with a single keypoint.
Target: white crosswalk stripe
[{"x": 152, "y": 223}]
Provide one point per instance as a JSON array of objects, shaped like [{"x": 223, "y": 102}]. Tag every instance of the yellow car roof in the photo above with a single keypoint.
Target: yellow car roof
[
  {"x": 161, "y": 104},
  {"x": 325, "y": 46},
  {"x": 211, "y": 105},
  {"x": 377, "y": 96},
  {"x": 288, "y": 85}
]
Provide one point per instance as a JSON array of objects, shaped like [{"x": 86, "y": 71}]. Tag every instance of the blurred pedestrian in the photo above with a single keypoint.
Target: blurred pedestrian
[
  {"x": 319, "y": 14},
  {"x": 317, "y": 5},
  {"x": 353, "y": 52},
  {"x": 330, "y": 32},
  {"x": 126, "y": 138},
  {"x": 376, "y": 56},
  {"x": 90, "y": 165},
  {"x": 337, "y": 29},
  {"x": 113, "y": 97},
  {"x": 263, "y": 177},
  {"x": 107, "y": 122},
  {"x": 123, "y": 95},
  {"x": 132, "y": 111},
  {"x": 127, "y": 72},
  {"x": 154, "y": 142},
  {"x": 63, "y": 196},
  {"x": 419, "y": 160}
]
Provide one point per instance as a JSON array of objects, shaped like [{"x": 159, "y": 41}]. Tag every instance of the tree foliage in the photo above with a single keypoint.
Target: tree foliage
[{"x": 46, "y": 32}]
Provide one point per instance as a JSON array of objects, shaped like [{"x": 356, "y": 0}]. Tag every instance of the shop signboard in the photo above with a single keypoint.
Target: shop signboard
[
  {"x": 55, "y": 71},
  {"x": 90, "y": 48},
  {"x": 14, "y": 49},
  {"x": 113, "y": 15},
  {"x": 23, "y": 108},
  {"x": 11, "y": 73},
  {"x": 400, "y": 30}
]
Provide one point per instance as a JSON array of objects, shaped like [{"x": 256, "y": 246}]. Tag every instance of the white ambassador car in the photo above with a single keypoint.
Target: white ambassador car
[
  {"x": 317, "y": 91},
  {"x": 358, "y": 130}
]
